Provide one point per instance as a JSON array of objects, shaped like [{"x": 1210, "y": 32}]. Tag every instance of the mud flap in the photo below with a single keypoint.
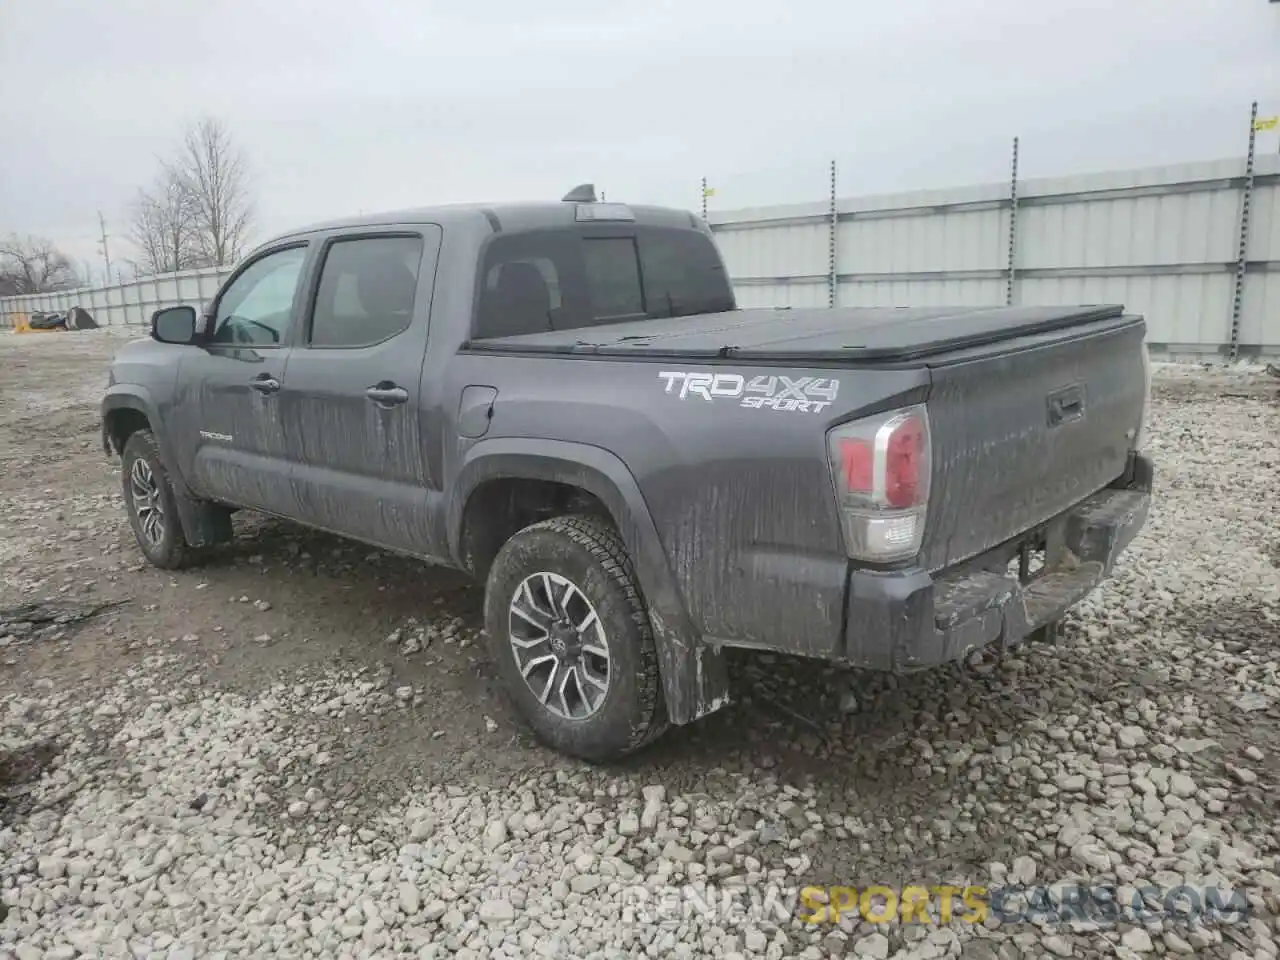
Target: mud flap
[
  {"x": 1047, "y": 634},
  {"x": 204, "y": 524},
  {"x": 695, "y": 677}
]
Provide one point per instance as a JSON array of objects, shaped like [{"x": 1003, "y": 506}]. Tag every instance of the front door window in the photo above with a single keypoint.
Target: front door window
[{"x": 257, "y": 308}]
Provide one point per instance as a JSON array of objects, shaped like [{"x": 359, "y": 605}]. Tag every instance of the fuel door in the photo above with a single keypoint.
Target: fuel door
[{"x": 475, "y": 410}]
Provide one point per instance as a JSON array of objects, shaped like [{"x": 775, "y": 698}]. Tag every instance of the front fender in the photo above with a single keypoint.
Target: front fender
[
  {"x": 202, "y": 523},
  {"x": 134, "y": 396},
  {"x": 694, "y": 676}
]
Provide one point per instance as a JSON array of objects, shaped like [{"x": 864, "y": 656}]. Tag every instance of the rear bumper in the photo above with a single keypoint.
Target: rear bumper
[{"x": 908, "y": 620}]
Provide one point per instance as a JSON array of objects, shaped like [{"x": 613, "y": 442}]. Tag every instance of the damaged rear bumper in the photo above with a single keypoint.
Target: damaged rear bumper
[{"x": 909, "y": 620}]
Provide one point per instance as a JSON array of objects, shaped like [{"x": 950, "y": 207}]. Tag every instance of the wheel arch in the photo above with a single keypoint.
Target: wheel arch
[
  {"x": 127, "y": 408},
  {"x": 694, "y": 677}
]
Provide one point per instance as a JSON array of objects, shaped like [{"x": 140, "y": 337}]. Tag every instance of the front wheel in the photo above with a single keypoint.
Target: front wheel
[
  {"x": 150, "y": 504},
  {"x": 572, "y": 640}
]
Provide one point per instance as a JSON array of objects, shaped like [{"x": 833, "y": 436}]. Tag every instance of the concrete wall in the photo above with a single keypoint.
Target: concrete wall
[{"x": 1164, "y": 242}]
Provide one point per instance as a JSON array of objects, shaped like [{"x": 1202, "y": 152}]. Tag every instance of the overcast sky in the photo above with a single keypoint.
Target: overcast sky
[{"x": 348, "y": 105}]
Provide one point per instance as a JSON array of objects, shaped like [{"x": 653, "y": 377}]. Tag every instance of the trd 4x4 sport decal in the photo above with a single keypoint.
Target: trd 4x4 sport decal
[{"x": 763, "y": 392}]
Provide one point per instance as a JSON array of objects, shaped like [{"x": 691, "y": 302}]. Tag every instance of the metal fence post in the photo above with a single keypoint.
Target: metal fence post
[
  {"x": 704, "y": 198},
  {"x": 833, "y": 276},
  {"x": 1012, "y": 266},
  {"x": 1242, "y": 252}
]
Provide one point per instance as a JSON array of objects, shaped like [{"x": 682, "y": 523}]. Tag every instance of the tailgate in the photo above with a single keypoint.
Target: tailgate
[{"x": 1023, "y": 431}]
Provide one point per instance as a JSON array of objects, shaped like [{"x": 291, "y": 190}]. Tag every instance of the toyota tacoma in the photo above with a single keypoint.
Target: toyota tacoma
[{"x": 564, "y": 400}]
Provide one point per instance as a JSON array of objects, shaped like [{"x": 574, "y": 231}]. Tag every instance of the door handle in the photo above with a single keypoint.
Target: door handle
[
  {"x": 387, "y": 394},
  {"x": 265, "y": 383}
]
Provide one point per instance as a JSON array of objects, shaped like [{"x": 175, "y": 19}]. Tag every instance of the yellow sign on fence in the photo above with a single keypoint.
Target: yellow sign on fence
[{"x": 1266, "y": 123}]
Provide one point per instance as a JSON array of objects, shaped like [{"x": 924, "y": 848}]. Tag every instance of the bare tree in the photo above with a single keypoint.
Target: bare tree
[
  {"x": 163, "y": 225},
  {"x": 34, "y": 265},
  {"x": 216, "y": 177}
]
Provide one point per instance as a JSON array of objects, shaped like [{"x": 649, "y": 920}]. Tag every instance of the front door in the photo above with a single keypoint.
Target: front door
[
  {"x": 231, "y": 442},
  {"x": 351, "y": 403}
]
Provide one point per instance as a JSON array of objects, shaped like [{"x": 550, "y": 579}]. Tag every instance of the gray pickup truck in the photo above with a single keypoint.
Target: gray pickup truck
[{"x": 564, "y": 400}]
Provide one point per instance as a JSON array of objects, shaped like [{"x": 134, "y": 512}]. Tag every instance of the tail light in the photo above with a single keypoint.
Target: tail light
[
  {"x": 881, "y": 467},
  {"x": 1140, "y": 438}
]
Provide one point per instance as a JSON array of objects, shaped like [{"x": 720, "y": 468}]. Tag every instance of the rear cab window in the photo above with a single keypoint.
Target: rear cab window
[
  {"x": 612, "y": 269},
  {"x": 571, "y": 278}
]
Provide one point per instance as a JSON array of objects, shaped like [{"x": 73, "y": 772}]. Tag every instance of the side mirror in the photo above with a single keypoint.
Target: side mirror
[{"x": 174, "y": 325}]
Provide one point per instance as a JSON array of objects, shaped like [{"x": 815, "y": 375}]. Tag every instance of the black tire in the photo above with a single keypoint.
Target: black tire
[
  {"x": 588, "y": 553},
  {"x": 169, "y": 550}
]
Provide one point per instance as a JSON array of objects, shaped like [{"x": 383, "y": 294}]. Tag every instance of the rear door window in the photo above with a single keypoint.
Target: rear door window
[{"x": 366, "y": 292}]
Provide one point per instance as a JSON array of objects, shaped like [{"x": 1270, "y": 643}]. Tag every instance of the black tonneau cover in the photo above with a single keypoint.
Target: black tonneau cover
[{"x": 855, "y": 334}]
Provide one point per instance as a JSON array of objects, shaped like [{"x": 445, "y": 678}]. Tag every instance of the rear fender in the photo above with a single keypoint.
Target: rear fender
[
  {"x": 203, "y": 523},
  {"x": 694, "y": 675}
]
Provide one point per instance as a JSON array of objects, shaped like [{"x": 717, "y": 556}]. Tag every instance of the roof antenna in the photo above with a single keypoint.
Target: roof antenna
[{"x": 583, "y": 193}]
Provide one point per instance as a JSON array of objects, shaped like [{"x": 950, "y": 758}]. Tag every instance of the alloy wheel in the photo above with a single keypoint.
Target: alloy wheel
[
  {"x": 147, "y": 503},
  {"x": 560, "y": 645}
]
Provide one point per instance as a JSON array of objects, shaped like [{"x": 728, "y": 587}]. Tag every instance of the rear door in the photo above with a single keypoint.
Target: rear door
[
  {"x": 352, "y": 403},
  {"x": 226, "y": 413}
]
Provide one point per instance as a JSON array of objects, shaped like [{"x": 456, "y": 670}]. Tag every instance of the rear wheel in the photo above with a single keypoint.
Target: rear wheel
[
  {"x": 149, "y": 502},
  {"x": 571, "y": 638}
]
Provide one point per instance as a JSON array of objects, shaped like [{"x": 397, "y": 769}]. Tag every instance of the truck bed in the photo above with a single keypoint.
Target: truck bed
[
  {"x": 1031, "y": 409},
  {"x": 857, "y": 335}
]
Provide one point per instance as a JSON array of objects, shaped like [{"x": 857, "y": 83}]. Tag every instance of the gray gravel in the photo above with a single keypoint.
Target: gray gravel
[{"x": 159, "y": 808}]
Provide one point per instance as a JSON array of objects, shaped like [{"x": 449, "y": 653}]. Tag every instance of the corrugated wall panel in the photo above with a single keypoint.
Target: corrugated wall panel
[
  {"x": 188, "y": 288},
  {"x": 781, "y": 295},
  {"x": 971, "y": 240},
  {"x": 1142, "y": 231},
  {"x": 209, "y": 283},
  {"x": 127, "y": 303},
  {"x": 1162, "y": 241},
  {"x": 782, "y": 251},
  {"x": 1179, "y": 309},
  {"x": 1264, "y": 231},
  {"x": 921, "y": 293},
  {"x": 1260, "y": 320}
]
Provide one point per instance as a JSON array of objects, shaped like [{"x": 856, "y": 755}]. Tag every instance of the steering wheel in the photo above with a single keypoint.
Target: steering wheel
[
  {"x": 271, "y": 331},
  {"x": 237, "y": 325}
]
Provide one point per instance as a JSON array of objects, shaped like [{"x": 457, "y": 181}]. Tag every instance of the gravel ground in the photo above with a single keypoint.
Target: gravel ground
[{"x": 298, "y": 750}]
